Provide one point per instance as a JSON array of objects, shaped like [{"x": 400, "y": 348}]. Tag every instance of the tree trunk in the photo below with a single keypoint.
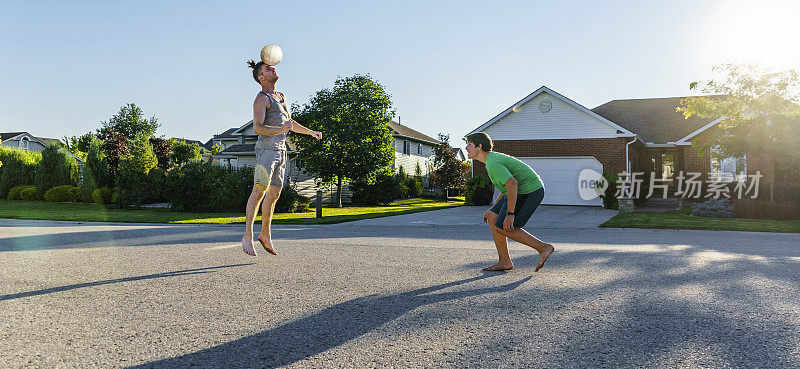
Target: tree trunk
[{"x": 338, "y": 192}]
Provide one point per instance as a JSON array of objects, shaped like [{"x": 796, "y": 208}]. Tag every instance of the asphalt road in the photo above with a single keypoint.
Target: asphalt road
[{"x": 113, "y": 295}]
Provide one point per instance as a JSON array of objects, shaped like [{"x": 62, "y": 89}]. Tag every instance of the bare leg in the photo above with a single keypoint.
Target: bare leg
[
  {"x": 522, "y": 236},
  {"x": 267, "y": 209},
  {"x": 501, "y": 243},
  {"x": 250, "y": 214}
]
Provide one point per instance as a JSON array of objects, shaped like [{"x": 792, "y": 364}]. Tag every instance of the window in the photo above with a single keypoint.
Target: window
[
  {"x": 23, "y": 143},
  {"x": 419, "y": 149},
  {"x": 727, "y": 169},
  {"x": 406, "y": 147},
  {"x": 667, "y": 167}
]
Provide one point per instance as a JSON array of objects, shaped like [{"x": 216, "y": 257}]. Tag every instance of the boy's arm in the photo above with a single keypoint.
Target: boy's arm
[{"x": 260, "y": 106}]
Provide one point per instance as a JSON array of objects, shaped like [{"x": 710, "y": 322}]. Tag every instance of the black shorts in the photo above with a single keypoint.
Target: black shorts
[{"x": 526, "y": 205}]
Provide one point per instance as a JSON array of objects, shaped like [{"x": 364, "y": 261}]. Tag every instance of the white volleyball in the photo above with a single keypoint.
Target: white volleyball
[{"x": 271, "y": 54}]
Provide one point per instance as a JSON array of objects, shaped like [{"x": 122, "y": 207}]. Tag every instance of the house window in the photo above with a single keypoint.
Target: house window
[
  {"x": 406, "y": 147},
  {"x": 667, "y": 167},
  {"x": 727, "y": 169},
  {"x": 23, "y": 143},
  {"x": 419, "y": 149}
]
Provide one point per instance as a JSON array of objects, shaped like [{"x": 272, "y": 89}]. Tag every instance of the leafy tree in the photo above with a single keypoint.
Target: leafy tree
[
  {"x": 140, "y": 157},
  {"x": 353, "y": 117},
  {"x": 761, "y": 113},
  {"x": 95, "y": 171},
  {"x": 78, "y": 145},
  {"x": 130, "y": 122},
  {"x": 161, "y": 148},
  {"x": 450, "y": 172},
  {"x": 57, "y": 168},
  {"x": 135, "y": 186},
  {"x": 114, "y": 146},
  {"x": 183, "y": 152}
]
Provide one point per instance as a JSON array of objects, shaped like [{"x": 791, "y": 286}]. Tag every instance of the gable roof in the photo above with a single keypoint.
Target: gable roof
[
  {"x": 545, "y": 89},
  {"x": 9, "y": 135},
  {"x": 227, "y": 134},
  {"x": 404, "y": 131},
  {"x": 654, "y": 120}
]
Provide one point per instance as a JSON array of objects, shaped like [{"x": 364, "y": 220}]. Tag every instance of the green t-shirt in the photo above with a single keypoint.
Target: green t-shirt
[{"x": 501, "y": 167}]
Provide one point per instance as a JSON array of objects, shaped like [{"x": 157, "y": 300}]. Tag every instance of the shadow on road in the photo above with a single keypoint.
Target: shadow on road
[
  {"x": 324, "y": 330},
  {"x": 117, "y": 280}
]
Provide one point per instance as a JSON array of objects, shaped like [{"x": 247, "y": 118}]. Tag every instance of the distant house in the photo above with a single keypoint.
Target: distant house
[
  {"x": 559, "y": 138},
  {"x": 27, "y": 141},
  {"x": 411, "y": 148}
]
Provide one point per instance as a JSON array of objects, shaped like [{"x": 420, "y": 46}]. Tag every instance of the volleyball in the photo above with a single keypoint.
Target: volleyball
[{"x": 271, "y": 54}]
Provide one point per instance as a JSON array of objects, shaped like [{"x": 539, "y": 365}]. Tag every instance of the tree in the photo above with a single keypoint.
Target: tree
[
  {"x": 130, "y": 122},
  {"x": 114, "y": 146},
  {"x": 134, "y": 185},
  {"x": 183, "y": 152},
  {"x": 95, "y": 171},
  {"x": 140, "y": 157},
  {"x": 56, "y": 168},
  {"x": 761, "y": 113},
  {"x": 161, "y": 148},
  {"x": 450, "y": 172},
  {"x": 78, "y": 145},
  {"x": 354, "y": 118}
]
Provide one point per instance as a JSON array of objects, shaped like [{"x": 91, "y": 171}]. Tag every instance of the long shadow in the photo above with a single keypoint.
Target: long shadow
[
  {"x": 324, "y": 330},
  {"x": 116, "y": 280}
]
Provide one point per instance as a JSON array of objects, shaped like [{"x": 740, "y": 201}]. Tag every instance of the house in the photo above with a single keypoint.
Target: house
[
  {"x": 27, "y": 141},
  {"x": 559, "y": 138},
  {"x": 411, "y": 149}
]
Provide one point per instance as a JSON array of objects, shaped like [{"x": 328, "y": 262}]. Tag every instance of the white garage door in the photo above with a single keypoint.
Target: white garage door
[{"x": 560, "y": 177}]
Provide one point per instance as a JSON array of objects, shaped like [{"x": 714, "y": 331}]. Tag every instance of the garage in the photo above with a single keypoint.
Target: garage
[{"x": 560, "y": 177}]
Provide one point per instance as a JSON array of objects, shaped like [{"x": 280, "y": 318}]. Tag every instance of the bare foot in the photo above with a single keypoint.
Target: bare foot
[
  {"x": 543, "y": 257},
  {"x": 267, "y": 244},
  {"x": 247, "y": 247},
  {"x": 499, "y": 267}
]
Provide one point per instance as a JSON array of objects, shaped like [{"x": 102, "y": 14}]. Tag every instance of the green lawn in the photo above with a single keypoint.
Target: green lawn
[
  {"x": 98, "y": 213},
  {"x": 681, "y": 219}
]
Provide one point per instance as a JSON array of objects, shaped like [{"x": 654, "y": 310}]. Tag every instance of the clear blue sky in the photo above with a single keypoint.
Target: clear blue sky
[{"x": 449, "y": 66}]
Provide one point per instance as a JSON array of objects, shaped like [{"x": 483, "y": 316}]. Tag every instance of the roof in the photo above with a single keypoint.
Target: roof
[
  {"x": 623, "y": 132},
  {"x": 48, "y": 141},
  {"x": 402, "y": 130},
  {"x": 655, "y": 120},
  {"x": 9, "y": 135},
  {"x": 228, "y": 133}
]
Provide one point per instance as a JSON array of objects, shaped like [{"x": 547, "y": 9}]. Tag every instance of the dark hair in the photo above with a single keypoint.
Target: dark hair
[
  {"x": 256, "y": 68},
  {"x": 482, "y": 139}
]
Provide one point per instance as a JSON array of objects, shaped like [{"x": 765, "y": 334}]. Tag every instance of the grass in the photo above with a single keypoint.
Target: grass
[
  {"x": 682, "y": 219},
  {"x": 98, "y": 213}
]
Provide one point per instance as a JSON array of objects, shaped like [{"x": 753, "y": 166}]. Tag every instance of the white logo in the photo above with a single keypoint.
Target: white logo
[{"x": 591, "y": 184}]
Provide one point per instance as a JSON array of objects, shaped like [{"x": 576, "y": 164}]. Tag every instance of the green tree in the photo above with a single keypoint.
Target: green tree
[
  {"x": 761, "y": 113},
  {"x": 95, "y": 171},
  {"x": 134, "y": 184},
  {"x": 56, "y": 168},
  {"x": 140, "y": 157},
  {"x": 130, "y": 122},
  {"x": 353, "y": 117},
  {"x": 78, "y": 145},
  {"x": 183, "y": 152},
  {"x": 450, "y": 172}
]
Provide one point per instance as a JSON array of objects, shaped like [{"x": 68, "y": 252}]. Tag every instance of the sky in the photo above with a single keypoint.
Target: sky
[{"x": 449, "y": 66}]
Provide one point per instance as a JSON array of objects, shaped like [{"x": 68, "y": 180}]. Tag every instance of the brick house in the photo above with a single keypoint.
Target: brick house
[{"x": 559, "y": 138}]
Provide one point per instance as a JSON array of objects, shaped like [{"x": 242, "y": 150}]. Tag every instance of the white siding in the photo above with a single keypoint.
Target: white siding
[{"x": 562, "y": 121}]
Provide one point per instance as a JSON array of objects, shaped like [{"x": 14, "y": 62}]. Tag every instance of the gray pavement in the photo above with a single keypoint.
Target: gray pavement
[
  {"x": 544, "y": 217},
  {"x": 355, "y": 296}
]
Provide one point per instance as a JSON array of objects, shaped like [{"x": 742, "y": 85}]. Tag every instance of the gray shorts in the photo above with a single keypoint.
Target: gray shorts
[
  {"x": 270, "y": 167},
  {"x": 525, "y": 206}
]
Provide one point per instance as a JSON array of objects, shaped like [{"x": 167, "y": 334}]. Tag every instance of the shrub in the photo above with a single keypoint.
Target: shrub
[
  {"x": 195, "y": 186},
  {"x": 235, "y": 188},
  {"x": 16, "y": 192},
  {"x": 385, "y": 189},
  {"x": 292, "y": 202},
  {"x": 717, "y": 208},
  {"x": 65, "y": 193},
  {"x": 478, "y": 191},
  {"x": 755, "y": 209},
  {"x": 303, "y": 204},
  {"x": 413, "y": 187},
  {"x": 95, "y": 172},
  {"x": 57, "y": 168},
  {"x": 102, "y": 196},
  {"x": 610, "y": 201},
  {"x": 28, "y": 193},
  {"x": 19, "y": 168}
]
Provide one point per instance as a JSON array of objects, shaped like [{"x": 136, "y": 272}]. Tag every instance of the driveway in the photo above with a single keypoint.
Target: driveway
[{"x": 546, "y": 216}]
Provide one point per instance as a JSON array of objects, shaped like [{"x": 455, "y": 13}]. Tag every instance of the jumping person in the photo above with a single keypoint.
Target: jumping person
[
  {"x": 271, "y": 122},
  {"x": 522, "y": 191}
]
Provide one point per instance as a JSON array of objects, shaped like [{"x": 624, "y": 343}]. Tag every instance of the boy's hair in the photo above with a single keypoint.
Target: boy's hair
[
  {"x": 482, "y": 139},
  {"x": 256, "y": 69}
]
